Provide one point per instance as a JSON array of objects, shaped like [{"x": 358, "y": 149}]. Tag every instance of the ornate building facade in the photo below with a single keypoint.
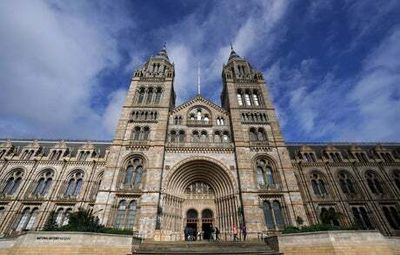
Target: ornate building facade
[{"x": 199, "y": 164}]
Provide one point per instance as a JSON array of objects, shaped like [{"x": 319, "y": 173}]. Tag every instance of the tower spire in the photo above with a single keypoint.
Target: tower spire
[{"x": 198, "y": 78}]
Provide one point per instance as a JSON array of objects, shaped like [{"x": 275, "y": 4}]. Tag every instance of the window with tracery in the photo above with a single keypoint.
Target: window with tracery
[
  {"x": 27, "y": 219},
  {"x": 374, "y": 182},
  {"x": 264, "y": 173},
  {"x": 361, "y": 217},
  {"x": 273, "y": 214},
  {"x": 329, "y": 216},
  {"x": 140, "y": 133},
  {"x": 392, "y": 216},
  {"x": 13, "y": 182},
  {"x": 396, "y": 177},
  {"x": 257, "y": 135},
  {"x": 199, "y": 189},
  {"x": 44, "y": 183},
  {"x": 62, "y": 216},
  {"x": 346, "y": 182},
  {"x": 126, "y": 214},
  {"x": 74, "y": 184},
  {"x": 133, "y": 173},
  {"x": 318, "y": 185}
]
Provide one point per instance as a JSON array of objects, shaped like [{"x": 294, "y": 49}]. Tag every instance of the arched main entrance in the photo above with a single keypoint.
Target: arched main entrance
[{"x": 199, "y": 194}]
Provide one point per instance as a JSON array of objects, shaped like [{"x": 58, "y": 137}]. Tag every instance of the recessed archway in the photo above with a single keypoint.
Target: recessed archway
[{"x": 206, "y": 186}]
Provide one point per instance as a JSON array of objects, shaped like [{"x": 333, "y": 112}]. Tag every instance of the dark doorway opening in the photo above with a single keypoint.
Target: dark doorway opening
[
  {"x": 207, "y": 223},
  {"x": 191, "y": 224}
]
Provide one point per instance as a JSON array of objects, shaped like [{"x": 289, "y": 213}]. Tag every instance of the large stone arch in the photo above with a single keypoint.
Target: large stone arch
[
  {"x": 200, "y": 169},
  {"x": 224, "y": 203}
]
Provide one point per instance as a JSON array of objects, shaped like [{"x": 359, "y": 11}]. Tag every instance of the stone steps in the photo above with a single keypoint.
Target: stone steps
[{"x": 205, "y": 247}]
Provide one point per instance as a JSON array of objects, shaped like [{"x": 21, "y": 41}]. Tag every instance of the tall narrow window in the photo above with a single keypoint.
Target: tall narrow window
[
  {"x": 278, "y": 214},
  {"x": 346, "y": 183},
  {"x": 318, "y": 185},
  {"x": 253, "y": 134},
  {"x": 146, "y": 132},
  {"x": 247, "y": 98},
  {"x": 74, "y": 184},
  {"x": 255, "y": 99},
  {"x": 374, "y": 182},
  {"x": 28, "y": 219},
  {"x": 239, "y": 97},
  {"x": 361, "y": 217},
  {"x": 392, "y": 216},
  {"x": 173, "y": 136},
  {"x": 261, "y": 135},
  {"x": 158, "y": 95},
  {"x": 134, "y": 173},
  {"x": 396, "y": 175},
  {"x": 181, "y": 136},
  {"x": 126, "y": 214},
  {"x": 150, "y": 95},
  {"x": 264, "y": 173},
  {"x": 13, "y": 182},
  {"x": 269, "y": 221},
  {"x": 44, "y": 183},
  {"x": 141, "y": 95}
]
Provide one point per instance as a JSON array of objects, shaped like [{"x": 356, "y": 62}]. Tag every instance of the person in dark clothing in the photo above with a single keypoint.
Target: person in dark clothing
[
  {"x": 217, "y": 233},
  {"x": 244, "y": 232},
  {"x": 186, "y": 232}
]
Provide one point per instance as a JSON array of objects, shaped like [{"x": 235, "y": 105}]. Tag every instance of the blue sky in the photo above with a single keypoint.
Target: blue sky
[{"x": 332, "y": 67}]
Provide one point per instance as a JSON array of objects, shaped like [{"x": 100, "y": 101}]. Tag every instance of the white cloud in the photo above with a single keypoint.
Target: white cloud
[{"x": 51, "y": 54}]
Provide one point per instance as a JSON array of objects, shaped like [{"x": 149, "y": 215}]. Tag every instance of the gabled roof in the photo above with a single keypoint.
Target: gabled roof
[{"x": 195, "y": 100}]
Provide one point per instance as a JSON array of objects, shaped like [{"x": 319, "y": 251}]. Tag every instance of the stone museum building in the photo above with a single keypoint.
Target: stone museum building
[{"x": 199, "y": 164}]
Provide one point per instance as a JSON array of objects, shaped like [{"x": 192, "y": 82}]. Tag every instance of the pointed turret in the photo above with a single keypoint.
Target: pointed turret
[
  {"x": 163, "y": 53},
  {"x": 157, "y": 66},
  {"x": 233, "y": 55}
]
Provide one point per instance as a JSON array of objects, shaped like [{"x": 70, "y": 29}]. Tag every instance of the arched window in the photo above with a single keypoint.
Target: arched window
[
  {"x": 392, "y": 216},
  {"x": 346, "y": 183},
  {"x": 196, "y": 136},
  {"x": 158, "y": 95},
  {"x": 269, "y": 221},
  {"x": 273, "y": 215},
  {"x": 253, "y": 134},
  {"x": 264, "y": 173},
  {"x": 217, "y": 137},
  {"x": 13, "y": 182},
  {"x": 146, "y": 132},
  {"x": 361, "y": 217},
  {"x": 203, "y": 137},
  {"x": 27, "y": 219},
  {"x": 255, "y": 98},
  {"x": 278, "y": 214},
  {"x": 225, "y": 137},
  {"x": 261, "y": 135},
  {"x": 44, "y": 183},
  {"x": 239, "y": 97},
  {"x": 396, "y": 176},
  {"x": 318, "y": 185},
  {"x": 150, "y": 95},
  {"x": 126, "y": 214},
  {"x": 374, "y": 182},
  {"x": 141, "y": 95},
  {"x": 173, "y": 136},
  {"x": 134, "y": 173},
  {"x": 74, "y": 184},
  {"x": 329, "y": 216},
  {"x": 181, "y": 137},
  {"x": 247, "y": 98},
  {"x": 136, "y": 134},
  {"x": 62, "y": 216}
]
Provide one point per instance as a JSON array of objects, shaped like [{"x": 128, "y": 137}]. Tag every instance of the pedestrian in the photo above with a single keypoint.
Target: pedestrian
[
  {"x": 244, "y": 232},
  {"x": 217, "y": 232},
  {"x": 186, "y": 233},
  {"x": 235, "y": 232},
  {"x": 213, "y": 233}
]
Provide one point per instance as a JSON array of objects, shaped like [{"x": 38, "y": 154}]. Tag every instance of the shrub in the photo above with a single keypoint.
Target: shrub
[
  {"x": 82, "y": 221},
  {"x": 316, "y": 228}
]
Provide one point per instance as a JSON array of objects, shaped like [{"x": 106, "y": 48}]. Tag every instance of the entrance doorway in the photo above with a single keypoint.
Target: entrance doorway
[
  {"x": 191, "y": 224},
  {"x": 207, "y": 223}
]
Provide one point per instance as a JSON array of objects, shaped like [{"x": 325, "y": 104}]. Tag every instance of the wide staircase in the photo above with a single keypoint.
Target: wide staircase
[{"x": 205, "y": 247}]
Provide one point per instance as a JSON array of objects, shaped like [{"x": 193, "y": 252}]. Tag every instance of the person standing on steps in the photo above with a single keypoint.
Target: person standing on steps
[
  {"x": 234, "y": 232},
  {"x": 244, "y": 232},
  {"x": 217, "y": 233}
]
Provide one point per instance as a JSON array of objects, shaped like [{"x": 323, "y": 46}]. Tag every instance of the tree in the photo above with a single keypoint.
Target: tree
[
  {"x": 51, "y": 223},
  {"x": 83, "y": 221}
]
